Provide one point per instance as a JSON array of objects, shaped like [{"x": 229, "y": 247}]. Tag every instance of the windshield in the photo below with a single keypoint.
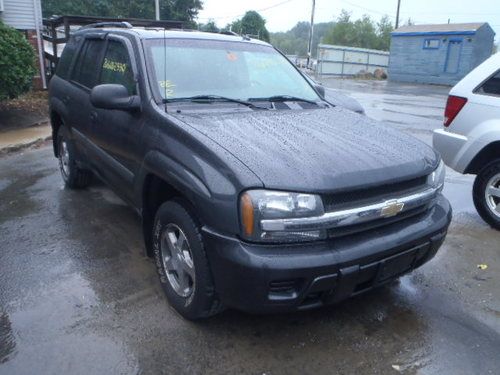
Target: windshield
[{"x": 184, "y": 68}]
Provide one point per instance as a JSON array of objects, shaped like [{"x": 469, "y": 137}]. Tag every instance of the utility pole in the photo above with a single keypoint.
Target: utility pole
[
  {"x": 311, "y": 32},
  {"x": 157, "y": 9},
  {"x": 397, "y": 14}
]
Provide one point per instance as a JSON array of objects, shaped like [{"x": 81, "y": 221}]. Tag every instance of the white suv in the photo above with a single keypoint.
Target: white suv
[{"x": 470, "y": 140}]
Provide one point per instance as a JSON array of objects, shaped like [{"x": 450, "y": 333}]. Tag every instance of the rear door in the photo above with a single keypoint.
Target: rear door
[
  {"x": 118, "y": 133},
  {"x": 481, "y": 115},
  {"x": 485, "y": 103},
  {"x": 83, "y": 79}
]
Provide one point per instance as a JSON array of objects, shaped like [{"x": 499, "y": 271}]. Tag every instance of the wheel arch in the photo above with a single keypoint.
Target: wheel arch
[
  {"x": 487, "y": 154},
  {"x": 56, "y": 122},
  {"x": 156, "y": 190},
  {"x": 58, "y": 114}
]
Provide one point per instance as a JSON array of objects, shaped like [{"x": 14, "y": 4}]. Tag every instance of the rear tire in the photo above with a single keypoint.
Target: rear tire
[
  {"x": 182, "y": 263},
  {"x": 486, "y": 194},
  {"x": 73, "y": 176}
]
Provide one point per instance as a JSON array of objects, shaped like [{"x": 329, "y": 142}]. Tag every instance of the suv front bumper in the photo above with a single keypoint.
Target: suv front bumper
[{"x": 275, "y": 278}]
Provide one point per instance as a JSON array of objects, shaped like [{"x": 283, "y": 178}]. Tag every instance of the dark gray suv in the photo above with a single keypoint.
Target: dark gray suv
[{"x": 255, "y": 192}]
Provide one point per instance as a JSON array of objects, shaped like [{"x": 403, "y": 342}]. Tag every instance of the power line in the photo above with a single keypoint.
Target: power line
[
  {"x": 373, "y": 11},
  {"x": 367, "y": 9}
]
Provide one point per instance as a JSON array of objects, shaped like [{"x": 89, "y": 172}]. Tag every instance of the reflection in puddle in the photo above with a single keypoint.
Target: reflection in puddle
[{"x": 7, "y": 341}]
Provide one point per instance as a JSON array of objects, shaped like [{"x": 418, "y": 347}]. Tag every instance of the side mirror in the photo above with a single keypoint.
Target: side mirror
[
  {"x": 113, "y": 96},
  {"x": 320, "y": 90}
]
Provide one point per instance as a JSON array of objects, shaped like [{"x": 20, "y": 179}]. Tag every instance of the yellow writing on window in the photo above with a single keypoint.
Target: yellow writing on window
[
  {"x": 114, "y": 66},
  {"x": 167, "y": 87}
]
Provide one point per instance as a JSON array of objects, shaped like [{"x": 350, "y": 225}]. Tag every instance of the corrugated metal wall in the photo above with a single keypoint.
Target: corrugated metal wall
[
  {"x": 348, "y": 61},
  {"x": 20, "y": 14}
]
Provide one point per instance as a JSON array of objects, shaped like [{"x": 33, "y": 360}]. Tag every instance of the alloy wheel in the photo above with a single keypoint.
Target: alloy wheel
[
  {"x": 177, "y": 260},
  {"x": 492, "y": 195}
]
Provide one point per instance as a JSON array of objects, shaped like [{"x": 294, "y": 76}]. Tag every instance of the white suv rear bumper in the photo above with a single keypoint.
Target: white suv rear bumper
[{"x": 451, "y": 147}]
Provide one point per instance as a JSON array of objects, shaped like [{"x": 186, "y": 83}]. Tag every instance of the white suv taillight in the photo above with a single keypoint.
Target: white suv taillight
[{"x": 453, "y": 106}]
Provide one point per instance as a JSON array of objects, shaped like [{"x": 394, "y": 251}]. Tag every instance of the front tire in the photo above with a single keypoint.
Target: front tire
[
  {"x": 73, "y": 176},
  {"x": 182, "y": 263},
  {"x": 486, "y": 194}
]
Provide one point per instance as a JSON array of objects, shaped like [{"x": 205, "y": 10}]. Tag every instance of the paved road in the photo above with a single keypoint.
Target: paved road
[{"x": 77, "y": 296}]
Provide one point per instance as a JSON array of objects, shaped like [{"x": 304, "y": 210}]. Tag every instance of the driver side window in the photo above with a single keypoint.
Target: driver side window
[{"x": 116, "y": 67}]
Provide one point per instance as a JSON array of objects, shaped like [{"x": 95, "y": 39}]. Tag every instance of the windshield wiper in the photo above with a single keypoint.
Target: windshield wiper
[
  {"x": 283, "y": 98},
  {"x": 212, "y": 98}
]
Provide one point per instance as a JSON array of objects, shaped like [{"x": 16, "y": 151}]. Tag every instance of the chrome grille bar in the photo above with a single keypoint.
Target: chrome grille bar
[{"x": 353, "y": 216}]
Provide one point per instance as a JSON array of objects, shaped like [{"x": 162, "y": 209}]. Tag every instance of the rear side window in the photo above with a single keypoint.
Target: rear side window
[
  {"x": 85, "y": 72},
  {"x": 116, "y": 67},
  {"x": 491, "y": 86},
  {"x": 66, "y": 59}
]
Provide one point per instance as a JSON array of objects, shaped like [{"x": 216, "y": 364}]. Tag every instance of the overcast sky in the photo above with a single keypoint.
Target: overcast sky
[{"x": 281, "y": 15}]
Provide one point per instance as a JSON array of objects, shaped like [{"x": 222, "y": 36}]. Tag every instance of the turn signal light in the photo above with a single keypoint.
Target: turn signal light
[{"x": 247, "y": 215}]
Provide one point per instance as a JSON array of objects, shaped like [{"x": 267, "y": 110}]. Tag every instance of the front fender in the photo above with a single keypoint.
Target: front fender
[{"x": 212, "y": 194}]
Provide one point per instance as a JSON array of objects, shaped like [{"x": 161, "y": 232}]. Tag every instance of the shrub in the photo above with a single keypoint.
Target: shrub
[{"x": 17, "y": 63}]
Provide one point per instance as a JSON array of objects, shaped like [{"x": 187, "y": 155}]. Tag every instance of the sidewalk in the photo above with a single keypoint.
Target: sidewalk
[{"x": 18, "y": 139}]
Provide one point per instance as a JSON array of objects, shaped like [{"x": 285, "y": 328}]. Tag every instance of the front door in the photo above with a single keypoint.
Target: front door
[
  {"x": 453, "y": 56},
  {"x": 118, "y": 133}
]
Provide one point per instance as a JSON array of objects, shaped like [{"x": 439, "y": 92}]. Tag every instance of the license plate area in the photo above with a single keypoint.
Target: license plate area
[{"x": 398, "y": 264}]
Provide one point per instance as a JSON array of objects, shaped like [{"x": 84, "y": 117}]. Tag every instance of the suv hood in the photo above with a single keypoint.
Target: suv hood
[{"x": 317, "y": 150}]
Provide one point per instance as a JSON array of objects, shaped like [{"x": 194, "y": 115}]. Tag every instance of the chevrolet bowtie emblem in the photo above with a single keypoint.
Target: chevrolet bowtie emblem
[{"x": 391, "y": 208}]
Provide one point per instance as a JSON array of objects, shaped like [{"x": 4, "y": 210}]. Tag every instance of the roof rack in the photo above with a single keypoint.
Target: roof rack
[
  {"x": 123, "y": 24},
  {"x": 228, "y": 32},
  {"x": 57, "y": 30}
]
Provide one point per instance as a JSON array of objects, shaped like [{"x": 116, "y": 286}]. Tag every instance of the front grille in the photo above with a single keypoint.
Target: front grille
[
  {"x": 365, "y": 197},
  {"x": 355, "y": 198}
]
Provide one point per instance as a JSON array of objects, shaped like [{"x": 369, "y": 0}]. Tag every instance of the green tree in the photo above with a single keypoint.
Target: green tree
[
  {"x": 362, "y": 33},
  {"x": 179, "y": 10},
  {"x": 17, "y": 63},
  {"x": 251, "y": 24},
  {"x": 209, "y": 27},
  {"x": 409, "y": 22},
  {"x": 384, "y": 30},
  {"x": 342, "y": 33},
  {"x": 365, "y": 35},
  {"x": 295, "y": 40}
]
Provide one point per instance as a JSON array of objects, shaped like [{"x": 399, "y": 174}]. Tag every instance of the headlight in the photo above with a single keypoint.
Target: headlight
[
  {"x": 436, "y": 178},
  {"x": 257, "y": 205}
]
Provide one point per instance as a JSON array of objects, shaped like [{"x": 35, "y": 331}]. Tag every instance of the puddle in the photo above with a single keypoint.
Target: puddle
[
  {"x": 7, "y": 341},
  {"x": 24, "y": 136}
]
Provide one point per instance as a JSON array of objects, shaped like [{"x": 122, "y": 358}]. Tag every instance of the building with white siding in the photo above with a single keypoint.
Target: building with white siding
[{"x": 26, "y": 16}]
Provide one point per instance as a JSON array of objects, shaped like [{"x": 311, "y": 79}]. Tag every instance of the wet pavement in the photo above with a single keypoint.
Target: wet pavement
[{"x": 78, "y": 296}]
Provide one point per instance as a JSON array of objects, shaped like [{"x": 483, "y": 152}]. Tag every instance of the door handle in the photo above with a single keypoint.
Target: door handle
[
  {"x": 65, "y": 99},
  {"x": 93, "y": 116}
]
